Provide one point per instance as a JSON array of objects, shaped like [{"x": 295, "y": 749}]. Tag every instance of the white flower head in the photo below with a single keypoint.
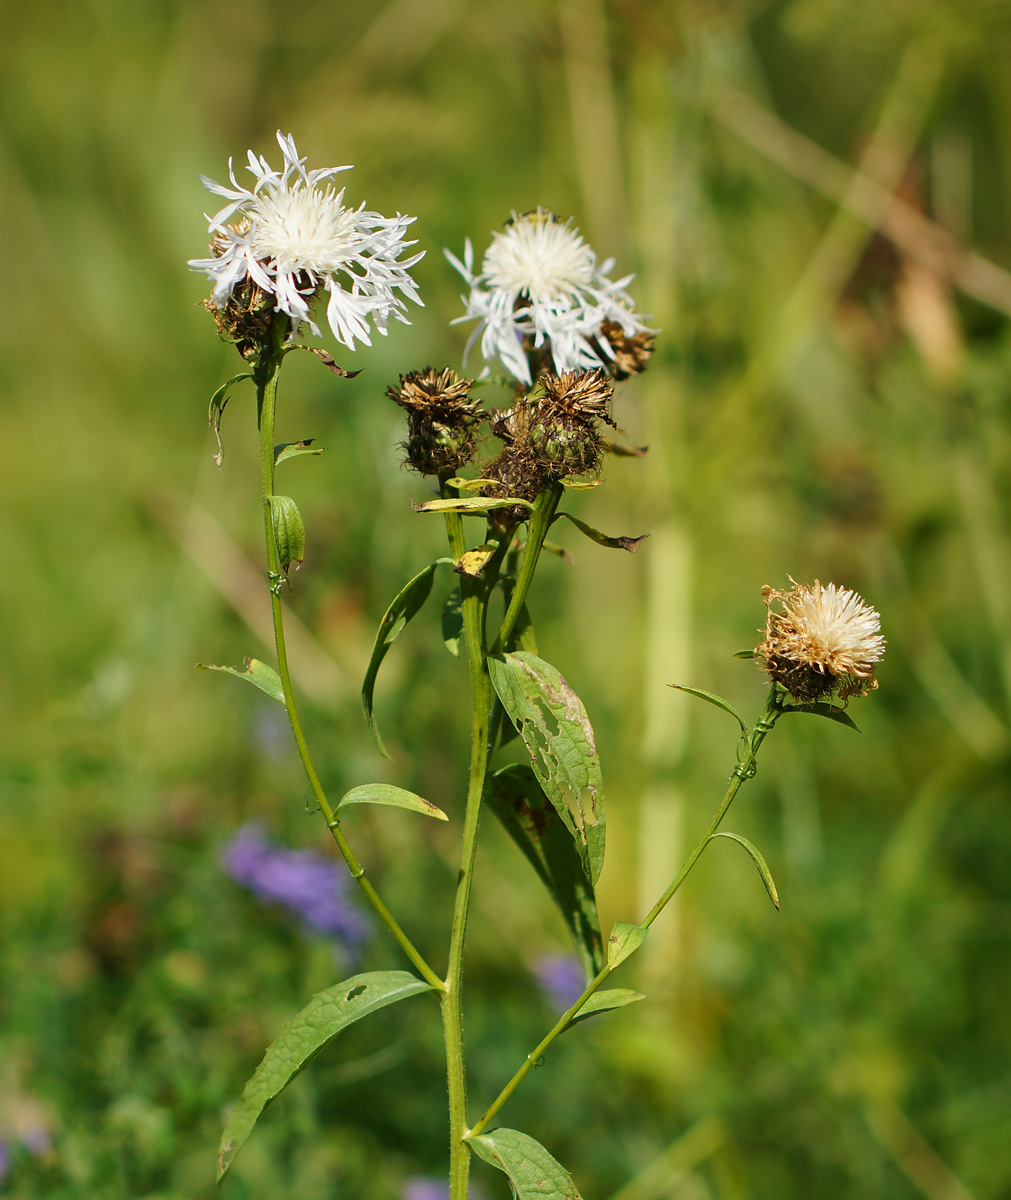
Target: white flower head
[
  {"x": 540, "y": 284},
  {"x": 820, "y": 640},
  {"x": 292, "y": 237}
]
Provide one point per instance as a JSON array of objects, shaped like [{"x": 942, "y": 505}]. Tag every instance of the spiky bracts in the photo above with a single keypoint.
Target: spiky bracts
[{"x": 441, "y": 420}]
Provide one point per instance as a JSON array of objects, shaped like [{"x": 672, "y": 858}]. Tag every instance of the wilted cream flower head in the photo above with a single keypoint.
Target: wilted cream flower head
[
  {"x": 541, "y": 284},
  {"x": 821, "y": 640},
  {"x": 292, "y": 237}
]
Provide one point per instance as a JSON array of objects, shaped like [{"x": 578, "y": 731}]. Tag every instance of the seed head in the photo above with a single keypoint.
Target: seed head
[
  {"x": 820, "y": 641},
  {"x": 441, "y": 419}
]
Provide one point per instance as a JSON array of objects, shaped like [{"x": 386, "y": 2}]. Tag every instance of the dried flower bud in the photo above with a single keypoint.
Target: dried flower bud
[
  {"x": 441, "y": 419},
  {"x": 820, "y": 641},
  {"x": 629, "y": 355},
  {"x": 562, "y": 430},
  {"x": 517, "y": 472}
]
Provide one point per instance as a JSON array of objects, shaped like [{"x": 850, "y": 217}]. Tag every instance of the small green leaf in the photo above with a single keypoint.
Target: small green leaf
[
  {"x": 605, "y": 1001},
  {"x": 631, "y": 544},
  {"x": 553, "y": 724},
  {"x": 216, "y": 409},
  {"x": 575, "y": 484},
  {"x": 294, "y": 449},
  {"x": 473, "y": 562},
  {"x": 468, "y": 485},
  {"x": 405, "y": 605},
  {"x": 517, "y": 799},
  {"x": 452, "y": 621},
  {"x": 533, "y": 1173},
  {"x": 759, "y": 860},
  {"x": 821, "y": 709},
  {"x": 620, "y": 451},
  {"x": 385, "y": 793},
  {"x": 713, "y": 699},
  {"x": 557, "y": 551},
  {"x": 304, "y": 1036},
  {"x": 744, "y": 654},
  {"x": 254, "y": 672},
  {"x": 479, "y": 504},
  {"x": 289, "y": 532},
  {"x": 625, "y": 939}
]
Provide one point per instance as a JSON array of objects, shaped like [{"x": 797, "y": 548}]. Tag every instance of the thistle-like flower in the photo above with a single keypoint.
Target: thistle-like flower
[
  {"x": 441, "y": 419},
  {"x": 541, "y": 288},
  {"x": 292, "y": 237},
  {"x": 820, "y": 641}
]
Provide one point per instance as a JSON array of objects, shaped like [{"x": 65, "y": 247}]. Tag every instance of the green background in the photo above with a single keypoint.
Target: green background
[{"x": 822, "y": 404}]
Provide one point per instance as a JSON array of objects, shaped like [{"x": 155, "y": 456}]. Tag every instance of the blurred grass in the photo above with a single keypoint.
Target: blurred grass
[{"x": 822, "y": 405}]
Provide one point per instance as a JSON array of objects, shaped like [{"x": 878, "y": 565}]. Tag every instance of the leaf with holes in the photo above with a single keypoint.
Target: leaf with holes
[
  {"x": 256, "y": 673},
  {"x": 554, "y": 726},
  {"x": 533, "y": 1173},
  {"x": 405, "y": 605},
  {"x": 303, "y": 1038},
  {"x": 517, "y": 799}
]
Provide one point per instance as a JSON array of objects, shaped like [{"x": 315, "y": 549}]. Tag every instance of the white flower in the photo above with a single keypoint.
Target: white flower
[
  {"x": 292, "y": 236},
  {"x": 540, "y": 281}
]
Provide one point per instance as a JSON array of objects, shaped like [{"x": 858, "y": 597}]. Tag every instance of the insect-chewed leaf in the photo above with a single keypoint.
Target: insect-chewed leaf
[
  {"x": 405, "y": 605},
  {"x": 533, "y": 1173},
  {"x": 294, "y": 449},
  {"x": 479, "y": 504},
  {"x": 758, "y": 858},
  {"x": 631, "y": 544},
  {"x": 553, "y": 723},
  {"x": 216, "y": 409},
  {"x": 452, "y": 621},
  {"x": 386, "y": 793},
  {"x": 712, "y": 698},
  {"x": 468, "y": 485},
  {"x": 256, "y": 673},
  {"x": 473, "y": 562},
  {"x": 519, "y": 802},
  {"x": 821, "y": 709},
  {"x": 605, "y": 1001},
  {"x": 625, "y": 939},
  {"x": 303, "y": 1038},
  {"x": 289, "y": 532}
]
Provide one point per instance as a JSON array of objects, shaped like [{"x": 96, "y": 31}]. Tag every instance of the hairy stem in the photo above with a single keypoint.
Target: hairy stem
[
  {"x": 745, "y": 769},
  {"x": 266, "y": 400}
]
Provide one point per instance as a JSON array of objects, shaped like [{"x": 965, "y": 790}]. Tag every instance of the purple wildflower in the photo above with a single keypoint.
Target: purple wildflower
[
  {"x": 561, "y": 978},
  {"x": 424, "y": 1187},
  {"x": 302, "y": 881},
  {"x": 36, "y": 1140}
]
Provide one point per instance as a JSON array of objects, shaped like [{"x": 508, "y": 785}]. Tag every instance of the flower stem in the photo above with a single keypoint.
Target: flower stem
[
  {"x": 537, "y": 530},
  {"x": 266, "y": 400},
  {"x": 745, "y": 769}
]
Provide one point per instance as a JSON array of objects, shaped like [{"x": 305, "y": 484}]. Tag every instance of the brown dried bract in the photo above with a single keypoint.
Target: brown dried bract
[{"x": 631, "y": 354}]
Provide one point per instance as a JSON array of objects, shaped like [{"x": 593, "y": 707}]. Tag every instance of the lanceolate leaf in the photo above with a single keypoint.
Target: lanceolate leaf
[
  {"x": 405, "y": 605},
  {"x": 605, "y": 1001},
  {"x": 821, "y": 709},
  {"x": 289, "y": 532},
  {"x": 516, "y": 798},
  {"x": 556, "y": 730},
  {"x": 256, "y": 673},
  {"x": 294, "y": 449},
  {"x": 217, "y": 407},
  {"x": 303, "y": 1038},
  {"x": 631, "y": 544},
  {"x": 385, "y": 793},
  {"x": 479, "y": 504},
  {"x": 468, "y": 485},
  {"x": 743, "y": 654},
  {"x": 759, "y": 860},
  {"x": 625, "y": 939},
  {"x": 452, "y": 622},
  {"x": 711, "y": 698},
  {"x": 533, "y": 1173}
]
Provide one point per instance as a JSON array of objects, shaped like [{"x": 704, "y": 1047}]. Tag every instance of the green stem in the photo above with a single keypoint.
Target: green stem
[
  {"x": 540, "y": 522},
  {"x": 266, "y": 401},
  {"x": 745, "y": 769}
]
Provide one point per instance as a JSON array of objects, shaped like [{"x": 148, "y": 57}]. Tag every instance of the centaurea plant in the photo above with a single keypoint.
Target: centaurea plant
[{"x": 565, "y": 333}]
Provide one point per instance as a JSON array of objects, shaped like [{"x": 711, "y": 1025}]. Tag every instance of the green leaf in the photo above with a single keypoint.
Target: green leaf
[
  {"x": 744, "y": 654},
  {"x": 254, "y": 672},
  {"x": 631, "y": 544},
  {"x": 473, "y": 562},
  {"x": 713, "y": 699},
  {"x": 452, "y": 621},
  {"x": 385, "y": 793},
  {"x": 405, "y": 605},
  {"x": 517, "y": 799},
  {"x": 304, "y": 1036},
  {"x": 625, "y": 939},
  {"x": 294, "y": 449},
  {"x": 289, "y": 532},
  {"x": 479, "y": 504},
  {"x": 759, "y": 860},
  {"x": 557, "y": 551},
  {"x": 575, "y": 484},
  {"x": 821, "y": 709},
  {"x": 216, "y": 409},
  {"x": 605, "y": 1001},
  {"x": 533, "y": 1173},
  {"x": 553, "y": 724},
  {"x": 468, "y": 485}
]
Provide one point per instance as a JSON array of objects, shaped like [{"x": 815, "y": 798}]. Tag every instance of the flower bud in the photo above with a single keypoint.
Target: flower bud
[{"x": 441, "y": 419}]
